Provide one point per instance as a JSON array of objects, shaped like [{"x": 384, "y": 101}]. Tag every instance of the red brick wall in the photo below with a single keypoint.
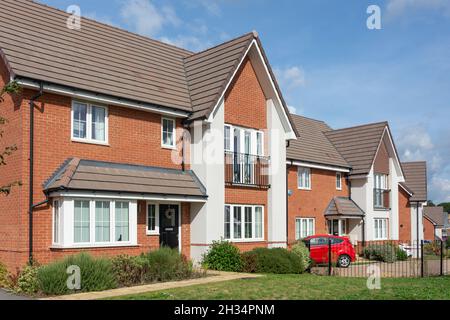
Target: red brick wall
[
  {"x": 428, "y": 230},
  {"x": 245, "y": 102},
  {"x": 312, "y": 203},
  {"x": 12, "y": 241},
  {"x": 404, "y": 212},
  {"x": 134, "y": 138},
  {"x": 245, "y": 105},
  {"x": 381, "y": 164}
]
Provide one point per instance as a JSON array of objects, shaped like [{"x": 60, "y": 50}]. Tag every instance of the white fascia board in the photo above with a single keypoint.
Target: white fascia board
[
  {"x": 397, "y": 159},
  {"x": 290, "y": 134},
  {"x": 317, "y": 166},
  {"x": 112, "y": 195},
  {"x": 103, "y": 99},
  {"x": 401, "y": 186},
  {"x": 361, "y": 176}
]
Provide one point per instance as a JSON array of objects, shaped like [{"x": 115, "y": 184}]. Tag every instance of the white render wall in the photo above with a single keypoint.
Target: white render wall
[
  {"x": 277, "y": 177},
  {"x": 207, "y": 161}
]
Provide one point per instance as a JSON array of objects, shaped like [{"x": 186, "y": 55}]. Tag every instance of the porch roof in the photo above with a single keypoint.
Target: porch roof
[
  {"x": 87, "y": 175},
  {"x": 343, "y": 208}
]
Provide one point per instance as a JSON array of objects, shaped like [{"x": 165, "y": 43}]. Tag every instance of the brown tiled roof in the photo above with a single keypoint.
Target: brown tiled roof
[
  {"x": 436, "y": 215},
  {"x": 340, "y": 206},
  {"x": 37, "y": 45},
  {"x": 78, "y": 174},
  {"x": 313, "y": 146},
  {"x": 416, "y": 179},
  {"x": 358, "y": 145},
  {"x": 208, "y": 72}
]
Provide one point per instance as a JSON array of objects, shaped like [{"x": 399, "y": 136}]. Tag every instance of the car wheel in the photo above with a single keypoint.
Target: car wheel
[{"x": 344, "y": 261}]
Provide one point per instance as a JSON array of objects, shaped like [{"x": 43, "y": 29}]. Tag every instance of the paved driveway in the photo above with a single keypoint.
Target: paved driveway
[{"x": 8, "y": 296}]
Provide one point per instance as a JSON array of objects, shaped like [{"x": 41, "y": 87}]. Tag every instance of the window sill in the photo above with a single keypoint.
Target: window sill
[
  {"x": 169, "y": 147},
  {"x": 99, "y": 143},
  {"x": 153, "y": 234},
  {"x": 245, "y": 240},
  {"x": 305, "y": 189},
  {"x": 93, "y": 246}
]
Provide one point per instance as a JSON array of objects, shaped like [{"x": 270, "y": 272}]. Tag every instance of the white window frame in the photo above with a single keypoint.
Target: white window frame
[
  {"x": 380, "y": 228},
  {"x": 300, "y": 171},
  {"x": 148, "y": 231},
  {"x": 67, "y": 236},
  {"x": 88, "y": 138},
  {"x": 174, "y": 132},
  {"x": 243, "y": 239},
  {"x": 338, "y": 181},
  {"x": 253, "y": 140},
  {"x": 57, "y": 221},
  {"x": 308, "y": 233}
]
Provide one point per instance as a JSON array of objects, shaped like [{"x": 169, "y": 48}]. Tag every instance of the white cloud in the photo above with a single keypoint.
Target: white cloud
[
  {"x": 290, "y": 78},
  {"x": 441, "y": 187},
  {"x": 400, "y": 7},
  {"x": 99, "y": 18},
  {"x": 211, "y": 6},
  {"x": 188, "y": 42},
  {"x": 145, "y": 18}
]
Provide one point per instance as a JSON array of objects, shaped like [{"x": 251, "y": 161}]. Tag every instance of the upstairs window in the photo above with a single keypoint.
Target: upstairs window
[
  {"x": 338, "y": 181},
  {"x": 243, "y": 140},
  {"x": 89, "y": 122},
  {"x": 304, "y": 178},
  {"x": 168, "y": 133}
]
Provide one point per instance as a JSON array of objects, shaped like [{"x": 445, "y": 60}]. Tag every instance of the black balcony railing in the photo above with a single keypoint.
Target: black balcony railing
[
  {"x": 381, "y": 199},
  {"x": 246, "y": 169}
]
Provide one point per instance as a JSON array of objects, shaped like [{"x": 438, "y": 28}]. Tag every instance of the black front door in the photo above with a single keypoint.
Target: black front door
[{"x": 168, "y": 221}]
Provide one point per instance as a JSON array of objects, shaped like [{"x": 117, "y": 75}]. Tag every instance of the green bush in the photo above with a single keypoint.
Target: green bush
[
  {"x": 165, "y": 264},
  {"x": 401, "y": 254},
  {"x": 301, "y": 250},
  {"x": 4, "y": 277},
  {"x": 277, "y": 260},
  {"x": 223, "y": 256},
  {"x": 96, "y": 275},
  {"x": 447, "y": 243},
  {"x": 381, "y": 252},
  {"x": 27, "y": 281}
]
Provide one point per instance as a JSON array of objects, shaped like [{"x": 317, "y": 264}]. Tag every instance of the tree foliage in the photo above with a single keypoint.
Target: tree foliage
[
  {"x": 11, "y": 88},
  {"x": 446, "y": 206}
]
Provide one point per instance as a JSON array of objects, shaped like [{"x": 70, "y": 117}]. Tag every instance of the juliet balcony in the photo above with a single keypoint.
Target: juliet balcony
[{"x": 246, "y": 170}]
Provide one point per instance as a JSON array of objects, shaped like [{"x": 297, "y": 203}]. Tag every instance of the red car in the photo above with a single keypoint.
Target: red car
[{"x": 342, "y": 251}]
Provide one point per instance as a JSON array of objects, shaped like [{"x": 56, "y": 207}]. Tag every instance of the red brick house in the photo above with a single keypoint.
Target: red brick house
[
  {"x": 126, "y": 143},
  {"x": 350, "y": 182}
]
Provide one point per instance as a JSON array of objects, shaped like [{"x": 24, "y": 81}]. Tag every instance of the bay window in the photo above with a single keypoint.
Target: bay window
[
  {"x": 243, "y": 222},
  {"x": 89, "y": 122},
  {"x": 79, "y": 223}
]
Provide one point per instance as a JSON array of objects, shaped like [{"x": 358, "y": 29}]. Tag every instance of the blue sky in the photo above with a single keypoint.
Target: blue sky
[{"x": 329, "y": 64}]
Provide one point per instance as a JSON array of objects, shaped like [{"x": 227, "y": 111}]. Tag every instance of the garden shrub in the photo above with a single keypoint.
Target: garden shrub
[
  {"x": 447, "y": 243},
  {"x": 165, "y": 264},
  {"x": 433, "y": 248},
  {"x": 381, "y": 252},
  {"x": 96, "y": 275},
  {"x": 4, "y": 277},
  {"x": 401, "y": 254},
  {"x": 129, "y": 270},
  {"x": 249, "y": 262},
  {"x": 27, "y": 281},
  {"x": 301, "y": 250},
  {"x": 223, "y": 256},
  {"x": 277, "y": 260}
]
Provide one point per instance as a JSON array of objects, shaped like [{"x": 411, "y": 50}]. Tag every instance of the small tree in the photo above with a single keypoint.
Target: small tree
[{"x": 11, "y": 88}]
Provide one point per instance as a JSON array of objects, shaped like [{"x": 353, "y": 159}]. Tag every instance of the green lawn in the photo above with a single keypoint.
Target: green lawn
[{"x": 301, "y": 287}]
